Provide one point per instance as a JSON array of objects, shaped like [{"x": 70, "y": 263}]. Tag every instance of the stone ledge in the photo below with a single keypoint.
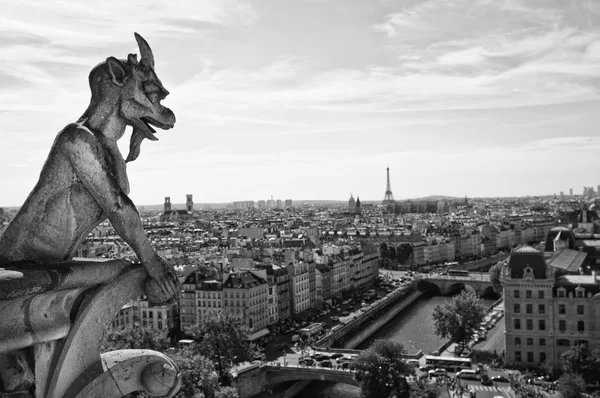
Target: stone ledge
[{"x": 26, "y": 278}]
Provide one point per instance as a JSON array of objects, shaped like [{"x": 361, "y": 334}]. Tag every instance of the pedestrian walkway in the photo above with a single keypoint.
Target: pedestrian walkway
[{"x": 474, "y": 387}]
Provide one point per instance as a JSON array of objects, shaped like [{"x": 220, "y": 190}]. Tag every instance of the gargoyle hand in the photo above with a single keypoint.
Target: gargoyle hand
[{"x": 163, "y": 285}]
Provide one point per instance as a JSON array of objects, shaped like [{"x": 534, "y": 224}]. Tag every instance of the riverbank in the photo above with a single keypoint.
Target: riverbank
[{"x": 401, "y": 297}]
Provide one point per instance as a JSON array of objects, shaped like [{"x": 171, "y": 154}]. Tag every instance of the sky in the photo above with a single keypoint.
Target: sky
[{"x": 313, "y": 99}]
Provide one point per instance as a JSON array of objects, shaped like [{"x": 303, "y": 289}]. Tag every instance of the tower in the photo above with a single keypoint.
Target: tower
[
  {"x": 358, "y": 207},
  {"x": 167, "y": 205},
  {"x": 351, "y": 202},
  {"x": 388, "y": 198},
  {"x": 189, "y": 203}
]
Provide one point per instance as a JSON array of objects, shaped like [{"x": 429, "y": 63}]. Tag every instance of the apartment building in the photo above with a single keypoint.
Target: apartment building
[
  {"x": 549, "y": 305},
  {"x": 299, "y": 287},
  {"x": 246, "y": 294}
]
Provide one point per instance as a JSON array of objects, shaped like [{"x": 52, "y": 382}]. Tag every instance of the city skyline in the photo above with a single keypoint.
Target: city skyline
[{"x": 315, "y": 98}]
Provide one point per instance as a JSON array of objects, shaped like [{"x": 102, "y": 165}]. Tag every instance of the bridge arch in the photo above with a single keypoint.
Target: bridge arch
[
  {"x": 277, "y": 375},
  {"x": 427, "y": 286},
  {"x": 489, "y": 292},
  {"x": 457, "y": 287}
]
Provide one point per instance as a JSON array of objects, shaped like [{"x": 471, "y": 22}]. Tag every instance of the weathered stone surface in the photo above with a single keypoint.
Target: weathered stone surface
[
  {"x": 30, "y": 278},
  {"x": 84, "y": 179},
  {"x": 34, "y": 319},
  {"x": 78, "y": 361},
  {"x": 53, "y": 313},
  {"x": 15, "y": 374}
]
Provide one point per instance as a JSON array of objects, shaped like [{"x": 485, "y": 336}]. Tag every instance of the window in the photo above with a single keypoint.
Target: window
[
  {"x": 516, "y": 294},
  {"x": 529, "y": 308},
  {"x": 563, "y": 343},
  {"x": 579, "y": 293},
  {"x": 541, "y": 308},
  {"x": 580, "y": 326},
  {"x": 541, "y": 294},
  {"x": 517, "y": 324},
  {"x": 562, "y": 325},
  {"x": 561, "y": 309},
  {"x": 561, "y": 292},
  {"x": 530, "y": 324},
  {"x": 542, "y": 324},
  {"x": 517, "y": 308},
  {"x": 528, "y": 294},
  {"x": 530, "y": 356},
  {"x": 529, "y": 342},
  {"x": 542, "y": 357},
  {"x": 542, "y": 342},
  {"x": 518, "y": 356},
  {"x": 580, "y": 309},
  {"x": 518, "y": 341}
]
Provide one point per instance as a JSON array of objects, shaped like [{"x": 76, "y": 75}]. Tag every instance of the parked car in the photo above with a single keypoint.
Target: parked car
[
  {"x": 345, "y": 313},
  {"x": 426, "y": 368},
  {"x": 467, "y": 374},
  {"x": 326, "y": 364},
  {"x": 413, "y": 362},
  {"x": 500, "y": 378},
  {"x": 438, "y": 372}
]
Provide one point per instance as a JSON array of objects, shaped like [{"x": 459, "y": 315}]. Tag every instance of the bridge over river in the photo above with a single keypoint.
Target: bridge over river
[
  {"x": 256, "y": 379},
  {"x": 478, "y": 283}
]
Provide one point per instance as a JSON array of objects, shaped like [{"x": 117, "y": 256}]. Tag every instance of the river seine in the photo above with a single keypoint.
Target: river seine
[{"x": 413, "y": 327}]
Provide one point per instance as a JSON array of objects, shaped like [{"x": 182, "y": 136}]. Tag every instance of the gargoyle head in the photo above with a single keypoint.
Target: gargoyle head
[{"x": 136, "y": 91}]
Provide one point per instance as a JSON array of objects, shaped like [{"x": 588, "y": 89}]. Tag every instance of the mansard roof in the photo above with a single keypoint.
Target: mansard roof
[
  {"x": 242, "y": 280},
  {"x": 524, "y": 257}
]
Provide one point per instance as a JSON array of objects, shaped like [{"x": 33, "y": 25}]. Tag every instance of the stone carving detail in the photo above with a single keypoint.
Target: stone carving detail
[
  {"x": 54, "y": 310},
  {"x": 84, "y": 179}
]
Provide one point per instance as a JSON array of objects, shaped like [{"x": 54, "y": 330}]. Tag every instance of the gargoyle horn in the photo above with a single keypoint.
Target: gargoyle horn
[{"x": 147, "y": 58}]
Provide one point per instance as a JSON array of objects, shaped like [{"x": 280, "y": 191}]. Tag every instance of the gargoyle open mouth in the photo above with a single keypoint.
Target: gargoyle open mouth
[{"x": 149, "y": 122}]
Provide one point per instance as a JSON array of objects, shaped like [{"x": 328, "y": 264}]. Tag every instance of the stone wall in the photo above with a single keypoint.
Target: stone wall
[
  {"x": 250, "y": 381},
  {"x": 381, "y": 320}
]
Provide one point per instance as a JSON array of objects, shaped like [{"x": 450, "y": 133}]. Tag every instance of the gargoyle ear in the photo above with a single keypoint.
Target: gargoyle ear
[{"x": 116, "y": 70}]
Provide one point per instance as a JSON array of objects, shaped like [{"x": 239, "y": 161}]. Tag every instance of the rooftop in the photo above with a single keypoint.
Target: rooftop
[{"x": 568, "y": 260}]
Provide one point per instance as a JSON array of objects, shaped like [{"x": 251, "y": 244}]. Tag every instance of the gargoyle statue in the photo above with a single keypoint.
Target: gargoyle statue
[{"x": 84, "y": 181}]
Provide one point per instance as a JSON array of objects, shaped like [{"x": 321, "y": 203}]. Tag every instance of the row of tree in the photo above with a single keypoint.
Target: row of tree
[{"x": 395, "y": 253}]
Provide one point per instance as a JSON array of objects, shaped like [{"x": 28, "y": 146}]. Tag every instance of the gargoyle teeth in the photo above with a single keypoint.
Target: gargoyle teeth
[{"x": 148, "y": 125}]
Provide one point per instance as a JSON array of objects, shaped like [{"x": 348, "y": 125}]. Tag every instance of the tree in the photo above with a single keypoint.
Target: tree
[
  {"x": 135, "y": 338},
  {"x": 580, "y": 360},
  {"x": 224, "y": 339},
  {"x": 382, "y": 370},
  {"x": 496, "y": 276},
  {"x": 420, "y": 389},
  {"x": 391, "y": 253},
  {"x": 383, "y": 250},
  {"x": 458, "y": 319},
  {"x": 554, "y": 368},
  {"x": 571, "y": 385},
  {"x": 403, "y": 252},
  {"x": 198, "y": 374}
]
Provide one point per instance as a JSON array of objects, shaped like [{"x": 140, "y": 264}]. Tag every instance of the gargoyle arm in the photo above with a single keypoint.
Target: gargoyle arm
[{"x": 87, "y": 159}]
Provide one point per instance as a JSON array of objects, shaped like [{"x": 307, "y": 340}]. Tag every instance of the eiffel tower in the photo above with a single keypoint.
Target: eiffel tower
[{"x": 388, "y": 199}]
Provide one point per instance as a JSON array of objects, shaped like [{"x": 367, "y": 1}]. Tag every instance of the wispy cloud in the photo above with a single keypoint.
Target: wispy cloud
[{"x": 319, "y": 90}]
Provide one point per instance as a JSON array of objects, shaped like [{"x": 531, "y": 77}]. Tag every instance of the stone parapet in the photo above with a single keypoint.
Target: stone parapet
[{"x": 53, "y": 322}]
